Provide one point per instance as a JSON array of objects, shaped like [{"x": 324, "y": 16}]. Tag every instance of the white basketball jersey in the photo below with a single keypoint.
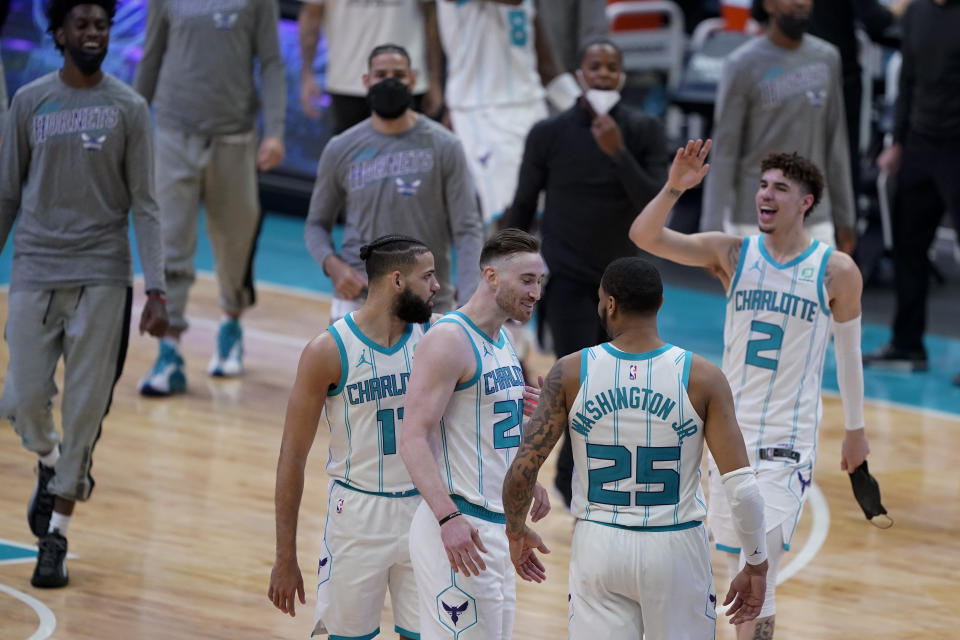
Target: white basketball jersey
[
  {"x": 480, "y": 429},
  {"x": 365, "y": 410},
  {"x": 637, "y": 440},
  {"x": 776, "y": 333},
  {"x": 491, "y": 53}
]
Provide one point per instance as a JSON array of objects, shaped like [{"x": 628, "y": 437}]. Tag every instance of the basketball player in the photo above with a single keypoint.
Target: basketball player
[
  {"x": 498, "y": 63},
  {"x": 785, "y": 292},
  {"x": 462, "y": 429},
  {"x": 639, "y": 411},
  {"x": 359, "y": 371},
  {"x": 75, "y": 166}
]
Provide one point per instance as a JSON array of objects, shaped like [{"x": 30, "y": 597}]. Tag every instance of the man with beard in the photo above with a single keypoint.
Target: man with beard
[
  {"x": 70, "y": 287},
  {"x": 638, "y": 408},
  {"x": 197, "y": 71},
  {"x": 786, "y": 292},
  {"x": 465, "y": 404},
  {"x": 781, "y": 91},
  {"x": 395, "y": 172},
  {"x": 358, "y": 370}
]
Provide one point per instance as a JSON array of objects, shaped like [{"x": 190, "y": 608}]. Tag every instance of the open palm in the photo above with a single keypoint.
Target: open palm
[{"x": 688, "y": 167}]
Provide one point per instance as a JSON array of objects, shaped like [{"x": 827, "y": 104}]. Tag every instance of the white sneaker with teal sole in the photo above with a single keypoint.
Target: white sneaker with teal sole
[
  {"x": 227, "y": 360},
  {"x": 166, "y": 377}
]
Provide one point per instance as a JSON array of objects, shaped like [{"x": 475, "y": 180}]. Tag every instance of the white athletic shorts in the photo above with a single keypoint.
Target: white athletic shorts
[
  {"x": 784, "y": 491},
  {"x": 628, "y": 584},
  {"x": 453, "y": 606},
  {"x": 493, "y": 139},
  {"x": 365, "y": 552}
]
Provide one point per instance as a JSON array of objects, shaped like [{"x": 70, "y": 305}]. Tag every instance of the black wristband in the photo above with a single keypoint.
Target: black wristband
[{"x": 449, "y": 516}]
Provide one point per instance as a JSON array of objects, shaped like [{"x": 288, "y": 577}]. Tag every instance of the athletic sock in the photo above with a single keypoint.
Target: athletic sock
[
  {"x": 51, "y": 458},
  {"x": 59, "y": 522}
]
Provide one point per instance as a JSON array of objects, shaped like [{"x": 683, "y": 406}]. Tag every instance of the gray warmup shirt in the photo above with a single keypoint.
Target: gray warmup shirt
[
  {"x": 73, "y": 163},
  {"x": 197, "y": 65},
  {"x": 415, "y": 183},
  {"x": 774, "y": 99}
]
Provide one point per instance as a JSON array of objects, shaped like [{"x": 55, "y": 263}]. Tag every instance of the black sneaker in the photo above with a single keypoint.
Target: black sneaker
[
  {"x": 40, "y": 507},
  {"x": 893, "y": 359},
  {"x": 51, "y": 571}
]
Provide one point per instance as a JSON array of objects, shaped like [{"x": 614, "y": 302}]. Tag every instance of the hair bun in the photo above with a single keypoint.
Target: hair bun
[{"x": 365, "y": 252}]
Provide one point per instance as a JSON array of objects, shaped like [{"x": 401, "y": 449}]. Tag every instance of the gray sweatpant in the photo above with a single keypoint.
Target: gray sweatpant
[
  {"x": 570, "y": 24},
  {"x": 221, "y": 171},
  {"x": 90, "y": 327}
]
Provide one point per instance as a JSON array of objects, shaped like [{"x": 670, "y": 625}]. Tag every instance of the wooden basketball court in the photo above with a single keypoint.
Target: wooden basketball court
[{"x": 178, "y": 538}]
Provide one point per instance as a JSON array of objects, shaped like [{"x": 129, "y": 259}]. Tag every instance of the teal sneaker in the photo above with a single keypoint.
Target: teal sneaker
[
  {"x": 166, "y": 377},
  {"x": 227, "y": 360}
]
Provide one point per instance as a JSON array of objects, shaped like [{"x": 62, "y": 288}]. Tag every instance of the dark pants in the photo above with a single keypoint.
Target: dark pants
[
  {"x": 852, "y": 94},
  {"x": 350, "y": 110},
  {"x": 570, "y": 310},
  {"x": 928, "y": 183}
]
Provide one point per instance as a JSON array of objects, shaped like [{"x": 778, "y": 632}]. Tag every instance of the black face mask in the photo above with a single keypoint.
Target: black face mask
[
  {"x": 793, "y": 26},
  {"x": 389, "y": 98},
  {"x": 88, "y": 63},
  {"x": 867, "y": 492}
]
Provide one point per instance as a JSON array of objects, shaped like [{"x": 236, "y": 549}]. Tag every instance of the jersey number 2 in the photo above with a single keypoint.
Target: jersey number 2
[
  {"x": 388, "y": 429},
  {"x": 772, "y": 342},
  {"x": 621, "y": 469},
  {"x": 514, "y": 411}
]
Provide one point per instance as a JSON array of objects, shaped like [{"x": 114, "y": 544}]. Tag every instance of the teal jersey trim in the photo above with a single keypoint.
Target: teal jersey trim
[
  {"x": 406, "y": 632},
  {"x": 373, "y": 345},
  {"x": 623, "y": 355},
  {"x": 476, "y": 353},
  {"x": 800, "y": 258},
  {"x": 736, "y": 276},
  {"x": 499, "y": 343},
  {"x": 470, "y": 509},
  {"x": 723, "y": 547},
  {"x": 344, "y": 365},
  {"x": 368, "y": 636},
  {"x": 584, "y": 354},
  {"x": 823, "y": 270},
  {"x": 687, "y": 359},
  {"x": 383, "y": 494},
  {"x": 670, "y": 527}
]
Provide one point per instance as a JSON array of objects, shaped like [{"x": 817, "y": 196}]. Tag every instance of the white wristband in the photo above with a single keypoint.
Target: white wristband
[
  {"x": 846, "y": 337},
  {"x": 563, "y": 91},
  {"x": 746, "y": 509}
]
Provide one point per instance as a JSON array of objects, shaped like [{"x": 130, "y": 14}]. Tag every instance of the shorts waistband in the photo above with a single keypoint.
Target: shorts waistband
[
  {"x": 670, "y": 527},
  {"x": 382, "y": 494},
  {"x": 470, "y": 509}
]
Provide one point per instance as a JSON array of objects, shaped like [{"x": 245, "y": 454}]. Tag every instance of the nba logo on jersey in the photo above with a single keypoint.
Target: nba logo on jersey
[
  {"x": 340, "y": 505},
  {"x": 633, "y": 372}
]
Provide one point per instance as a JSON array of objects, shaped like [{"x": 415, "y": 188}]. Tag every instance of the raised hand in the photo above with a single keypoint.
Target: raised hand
[{"x": 688, "y": 167}]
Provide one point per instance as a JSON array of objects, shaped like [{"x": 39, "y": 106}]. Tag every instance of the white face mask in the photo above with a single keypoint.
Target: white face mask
[{"x": 602, "y": 100}]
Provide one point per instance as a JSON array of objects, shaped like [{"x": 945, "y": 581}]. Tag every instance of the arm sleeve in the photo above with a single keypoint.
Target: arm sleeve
[
  {"x": 154, "y": 45},
  {"x": 532, "y": 179},
  {"x": 138, "y": 167},
  {"x": 463, "y": 214},
  {"x": 642, "y": 165},
  {"x": 326, "y": 201},
  {"x": 272, "y": 71},
  {"x": 729, "y": 115},
  {"x": 840, "y": 181},
  {"x": 746, "y": 507},
  {"x": 901, "y": 115},
  {"x": 14, "y": 163},
  {"x": 847, "y": 351}
]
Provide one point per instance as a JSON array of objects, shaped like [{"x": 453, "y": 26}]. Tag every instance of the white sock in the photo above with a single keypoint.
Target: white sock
[
  {"x": 225, "y": 319},
  {"x": 171, "y": 342},
  {"x": 51, "y": 458},
  {"x": 59, "y": 522}
]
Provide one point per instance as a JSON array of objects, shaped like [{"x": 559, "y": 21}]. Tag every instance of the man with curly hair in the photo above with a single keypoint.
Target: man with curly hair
[
  {"x": 70, "y": 286},
  {"x": 786, "y": 292}
]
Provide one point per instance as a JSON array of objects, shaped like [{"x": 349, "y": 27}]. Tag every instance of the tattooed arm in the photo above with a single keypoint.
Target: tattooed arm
[
  {"x": 717, "y": 252},
  {"x": 539, "y": 437}
]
